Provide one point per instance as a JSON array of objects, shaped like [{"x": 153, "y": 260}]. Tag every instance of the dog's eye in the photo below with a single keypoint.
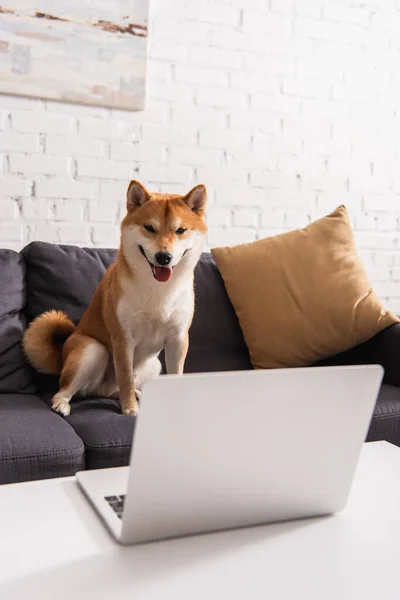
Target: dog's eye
[
  {"x": 180, "y": 231},
  {"x": 149, "y": 228}
]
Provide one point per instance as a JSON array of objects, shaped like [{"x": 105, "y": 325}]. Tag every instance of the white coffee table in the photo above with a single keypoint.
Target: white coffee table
[{"x": 52, "y": 546}]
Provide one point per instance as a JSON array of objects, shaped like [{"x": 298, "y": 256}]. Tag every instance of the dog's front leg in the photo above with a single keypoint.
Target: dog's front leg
[
  {"x": 176, "y": 348},
  {"x": 123, "y": 361}
]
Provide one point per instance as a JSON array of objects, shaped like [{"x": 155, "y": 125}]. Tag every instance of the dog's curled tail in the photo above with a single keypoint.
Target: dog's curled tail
[{"x": 44, "y": 339}]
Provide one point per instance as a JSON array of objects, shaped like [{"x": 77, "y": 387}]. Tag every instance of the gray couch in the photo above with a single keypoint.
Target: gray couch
[{"x": 36, "y": 443}]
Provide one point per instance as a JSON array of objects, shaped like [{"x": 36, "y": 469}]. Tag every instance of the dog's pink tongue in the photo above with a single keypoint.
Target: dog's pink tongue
[{"x": 162, "y": 273}]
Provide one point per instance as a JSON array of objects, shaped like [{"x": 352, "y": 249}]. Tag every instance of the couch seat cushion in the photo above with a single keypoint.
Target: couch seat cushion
[
  {"x": 15, "y": 373},
  {"x": 385, "y": 424},
  {"x": 105, "y": 431},
  {"x": 35, "y": 443}
]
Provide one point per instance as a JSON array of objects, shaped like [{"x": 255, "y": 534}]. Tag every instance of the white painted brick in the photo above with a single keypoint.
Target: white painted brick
[
  {"x": 218, "y": 216},
  {"x": 190, "y": 116},
  {"x": 45, "y": 233},
  {"x": 266, "y": 233},
  {"x": 319, "y": 70},
  {"x": 219, "y": 236},
  {"x": 278, "y": 62},
  {"x": 74, "y": 146},
  {"x": 36, "y": 209},
  {"x": 256, "y": 81},
  {"x": 229, "y": 37},
  {"x": 282, "y": 105},
  {"x": 13, "y": 186},
  {"x": 74, "y": 233},
  {"x": 295, "y": 220},
  {"x": 107, "y": 236},
  {"x": 223, "y": 176},
  {"x": 242, "y": 120},
  {"x": 165, "y": 135},
  {"x": 8, "y": 210},
  {"x": 43, "y": 122},
  {"x": 113, "y": 191},
  {"x": 136, "y": 152},
  {"x": 106, "y": 129},
  {"x": 185, "y": 155},
  {"x": 268, "y": 25},
  {"x": 69, "y": 210},
  {"x": 365, "y": 222},
  {"x": 303, "y": 88},
  {"x": 215, "y": 57},
  {"x": 213, "y": 12},
  {"x": 393, "y": 304},
  {"x": 17, "y": 142},
  {"x": 65, "y": 189},
  {"x": 286, "y": 198},
  {"x": 158, "y": 69},
  {"x": 272, "y": 219},
  {"x": 103, "y": 211},
  {"x": 395, "y": 274},
  {"x": 375, "y": 241},
  {"x": 223, "y": 140},
  {"x": 22, "y": 103},
  {"x": 285, "y": 6},
  {"x": 104, "y": 169},
  {"x": 328, "y": 109},
  {"x": 340, "y": 121},
  {"x": 161, "y": 173},
  {"x": 368, "y": 185},
  {"x": 157, "y": 111},
  {"x": 240, "y": 196},
  {"x": 200, "y": 75},
  {"x": 216, "y": 96},
  {"x": 38, "y": 165},
  {"x": 167, "y": 51},
  {"x": 271, "y": 179},
  {"x": 383, "y": 259},
  {"x": 379, "y": 273},
  {"x": 301, "y": 165},
  {"x": 245, "y": 217},
  {"x": 386, "y": 289},
  {"x": 247, "y": 157},
  {"x": 170, "y": 29},
  {"x": 171, "y": 90},
  {"x": 308, "y": 8},
  {"x": 346, "y": 14},
  {"x": 11, "y": 232}
]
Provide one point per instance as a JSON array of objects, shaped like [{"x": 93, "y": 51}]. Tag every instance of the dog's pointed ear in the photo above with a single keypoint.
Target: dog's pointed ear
[
  {"x": 136, "y": 195},
  {"x": 196, "y": 199}
]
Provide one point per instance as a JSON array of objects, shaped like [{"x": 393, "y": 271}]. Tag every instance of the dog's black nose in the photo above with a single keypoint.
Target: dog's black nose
[{"x": 163, "y": 258}]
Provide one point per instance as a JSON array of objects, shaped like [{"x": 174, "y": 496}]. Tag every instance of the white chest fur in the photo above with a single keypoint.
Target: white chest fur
[{"x": 150, "y": 312}]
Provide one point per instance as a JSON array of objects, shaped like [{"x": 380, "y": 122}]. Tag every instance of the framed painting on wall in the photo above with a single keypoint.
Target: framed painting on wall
[{"x": 88, "y": 51}]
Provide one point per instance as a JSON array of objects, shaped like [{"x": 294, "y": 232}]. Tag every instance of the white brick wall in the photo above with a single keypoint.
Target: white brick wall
[{"x": 284, "y": 108}]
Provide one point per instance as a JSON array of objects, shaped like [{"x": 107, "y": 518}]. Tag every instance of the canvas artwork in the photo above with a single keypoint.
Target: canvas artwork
[{"x": 83, "y": 51}]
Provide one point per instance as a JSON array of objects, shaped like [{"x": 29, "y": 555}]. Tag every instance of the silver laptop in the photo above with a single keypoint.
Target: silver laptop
[{"x": 225, "y": 450}]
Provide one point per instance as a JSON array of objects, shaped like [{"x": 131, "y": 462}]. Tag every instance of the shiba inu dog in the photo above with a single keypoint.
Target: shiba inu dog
[{"x": 144, "y": 303}]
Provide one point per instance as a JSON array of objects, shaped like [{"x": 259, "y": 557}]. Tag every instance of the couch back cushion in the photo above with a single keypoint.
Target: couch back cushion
[
  {"x": 15, "y": 373},
  {"x": 65, "y": 278}
]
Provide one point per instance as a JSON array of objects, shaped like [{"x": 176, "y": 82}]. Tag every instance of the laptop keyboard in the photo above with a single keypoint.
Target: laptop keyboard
[{"x": 117, "y": 504}]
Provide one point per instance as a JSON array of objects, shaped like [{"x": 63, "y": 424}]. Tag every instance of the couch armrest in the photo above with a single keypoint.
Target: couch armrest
[{"x": 383, "y": 349}]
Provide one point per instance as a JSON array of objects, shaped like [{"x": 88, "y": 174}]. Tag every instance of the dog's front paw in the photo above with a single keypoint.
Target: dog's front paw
[
  {"x": 130, "y": 412},
  {"x": 131, "y": 408},
  {"x": 61, "y": 406}
]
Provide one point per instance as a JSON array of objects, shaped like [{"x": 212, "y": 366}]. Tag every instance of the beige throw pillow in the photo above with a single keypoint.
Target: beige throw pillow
[{"x": 302, "y": 296}]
